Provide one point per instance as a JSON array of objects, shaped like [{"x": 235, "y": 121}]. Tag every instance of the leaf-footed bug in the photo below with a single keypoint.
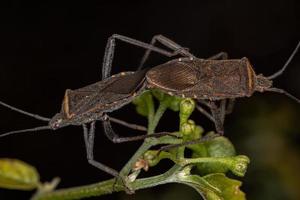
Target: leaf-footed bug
[
  {"x": 206, "y": 80},
  {"x": 91, "y": 103},
  {"x": 203, "y": 80}
]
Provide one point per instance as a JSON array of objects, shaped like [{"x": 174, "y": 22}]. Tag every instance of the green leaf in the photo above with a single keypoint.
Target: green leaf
[
  {"x": 228, "y": 188},
  {"x": 173, "y": 102},
  {"x": 220, "y": 147},
  {"x": 214, "y": 186},
  {"x": 159, "y": 95},
  {"x": 15, "y": 174},
  {"x": 141, "y": 103},
  {"x": 217, "y": 147}
]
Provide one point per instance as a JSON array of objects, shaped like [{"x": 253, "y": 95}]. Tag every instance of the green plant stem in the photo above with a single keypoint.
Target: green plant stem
[
  {"x": 148, "y": 143},
  {"x": 221, "y": 160},
  {"x": 107, "y": 187},
  {"x": 150, "y": 108},
  {"x": 159, "y": 113}
]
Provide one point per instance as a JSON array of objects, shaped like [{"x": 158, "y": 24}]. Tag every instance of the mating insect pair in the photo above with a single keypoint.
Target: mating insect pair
[{"x": 214, "y": 82}]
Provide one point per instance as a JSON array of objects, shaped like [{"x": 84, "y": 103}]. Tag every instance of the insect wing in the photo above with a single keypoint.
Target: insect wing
[
  {"x": 173, "y": 76},
  {"x": 106, "y": 95}
]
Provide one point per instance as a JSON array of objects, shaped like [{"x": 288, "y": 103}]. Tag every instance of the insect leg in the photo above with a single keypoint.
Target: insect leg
[
  {"x": 115, "y": 138},
  {"x": 205, "y": 113},
  {"x": 129, "y": 125},
  {"x": 110, "y": 48},
  {"x": 218, "y": 115},
  {"x": 204, "y": 102},
  {"x": 219, "y": 56},
  {"x": 201, "y": 140},
  {"x": 230, "y": 106},
  {"x": 222, "y": 110},
  {"x": 89, "y": 136},
  {"x": 177, "y": 49}
]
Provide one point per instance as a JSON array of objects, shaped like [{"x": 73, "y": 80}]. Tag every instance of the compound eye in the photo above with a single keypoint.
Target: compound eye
[{"x": 57, "y": 123}]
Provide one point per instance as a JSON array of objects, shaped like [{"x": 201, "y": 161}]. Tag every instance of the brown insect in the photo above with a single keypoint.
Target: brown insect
[
  {"x": 206, "y": 80},
  {"x": 86, "y": 105},
  {"x": 211, "y": 80}
]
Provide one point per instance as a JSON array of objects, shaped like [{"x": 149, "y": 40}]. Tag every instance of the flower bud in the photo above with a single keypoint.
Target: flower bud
[
  {"x": 188, "y": 128},
  {"x": 239, "y": 165},
  {"x": 151, "y": 157},
  {"x": 187, "y": 106}
]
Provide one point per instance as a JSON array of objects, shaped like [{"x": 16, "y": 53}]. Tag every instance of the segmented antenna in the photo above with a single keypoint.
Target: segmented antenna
[
  {"x": 25, "y": 112},
  {"x": 281, "y": 91},
  {"x": 278, "y": 73},
  {"x": 26, "y": 130}
]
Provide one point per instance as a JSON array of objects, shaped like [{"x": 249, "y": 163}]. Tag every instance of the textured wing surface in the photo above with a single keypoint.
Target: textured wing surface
[
  {"x": 108, "y": 94},
  {"x": 126, "y": 83},
  {"x": 174, "y": 75}
]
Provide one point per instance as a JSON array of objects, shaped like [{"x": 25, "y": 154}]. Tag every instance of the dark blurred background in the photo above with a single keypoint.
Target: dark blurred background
[{"x": 46, "y": 48}]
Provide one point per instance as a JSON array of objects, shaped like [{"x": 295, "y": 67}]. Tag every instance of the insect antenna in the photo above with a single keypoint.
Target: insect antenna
[
  {"x": 278, "y": 73},
  {"x": 26, "y": 130},
  {"x": 281, "y": 91},
  {"x": 25, "y": 112}
]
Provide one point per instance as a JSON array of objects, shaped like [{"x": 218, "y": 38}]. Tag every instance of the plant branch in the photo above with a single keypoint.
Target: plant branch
[
  {"x": 107, "y": 187},
  {"x": 149, "y": 142}
]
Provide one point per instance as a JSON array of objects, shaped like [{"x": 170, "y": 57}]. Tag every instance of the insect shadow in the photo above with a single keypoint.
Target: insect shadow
[{"x": 214, "y": 82}]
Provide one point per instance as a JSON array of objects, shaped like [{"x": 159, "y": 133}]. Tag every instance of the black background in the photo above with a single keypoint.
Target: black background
[{"x": 46, "y": 48}]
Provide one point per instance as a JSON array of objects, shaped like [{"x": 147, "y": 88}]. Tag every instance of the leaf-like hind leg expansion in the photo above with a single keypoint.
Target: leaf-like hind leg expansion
[
  {"x": 177, "y": 49},
  {"x": 110, "y": 49}
]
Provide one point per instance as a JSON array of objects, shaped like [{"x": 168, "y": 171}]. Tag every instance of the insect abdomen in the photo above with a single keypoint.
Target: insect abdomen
[{"x": 221, "y": 79}]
